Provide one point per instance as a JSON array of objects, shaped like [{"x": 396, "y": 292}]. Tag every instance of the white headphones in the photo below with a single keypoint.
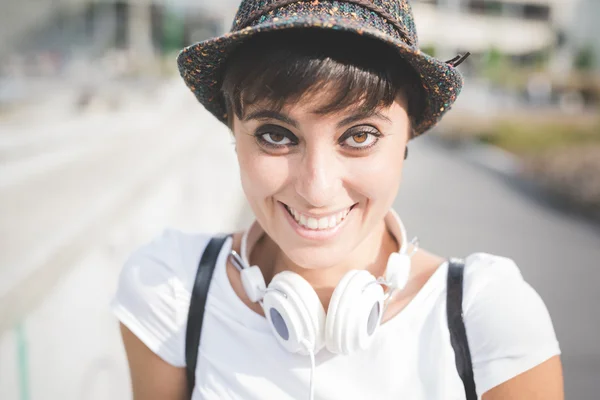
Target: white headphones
[{"x": 298, "y": 318}]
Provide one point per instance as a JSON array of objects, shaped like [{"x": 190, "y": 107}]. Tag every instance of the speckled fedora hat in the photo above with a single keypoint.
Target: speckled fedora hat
[{"x": 201, "y": 64}]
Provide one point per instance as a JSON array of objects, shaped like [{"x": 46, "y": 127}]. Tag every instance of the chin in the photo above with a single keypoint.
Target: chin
[{"x": 311, "y": 257}]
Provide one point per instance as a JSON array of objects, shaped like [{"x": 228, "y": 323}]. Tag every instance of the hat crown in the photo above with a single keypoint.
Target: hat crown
[{"x": 395, "y": 12}]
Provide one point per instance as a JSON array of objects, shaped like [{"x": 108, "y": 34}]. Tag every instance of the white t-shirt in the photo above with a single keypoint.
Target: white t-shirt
[{"x": 508, "y": 329}]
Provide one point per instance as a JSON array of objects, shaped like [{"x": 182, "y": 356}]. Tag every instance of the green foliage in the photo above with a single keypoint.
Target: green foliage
[
  {"x": 494, "y": 58},
  {"x": 173, "y": 32},
  {"x": 536, "y": 138},
  {"x": 584, "y": 60},
  {"x": 541, "y": 59},
  {"x": 430, "y": 50},
  {"x": 495, "y": 65},
  {"x": 502, "y": 70}
]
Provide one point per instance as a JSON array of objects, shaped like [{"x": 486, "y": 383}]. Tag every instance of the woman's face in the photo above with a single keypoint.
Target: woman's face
[{"x": 320, "y": 184}]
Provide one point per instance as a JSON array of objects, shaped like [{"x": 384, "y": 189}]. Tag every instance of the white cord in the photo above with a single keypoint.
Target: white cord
[
  {"x": 237, "y": 261},
  {"x": 308, "y": 347}
]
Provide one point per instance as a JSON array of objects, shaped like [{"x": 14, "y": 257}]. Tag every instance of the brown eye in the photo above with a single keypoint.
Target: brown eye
[
  {"x": 276, "y": 137},
  {"x": 360, "y": 138}
]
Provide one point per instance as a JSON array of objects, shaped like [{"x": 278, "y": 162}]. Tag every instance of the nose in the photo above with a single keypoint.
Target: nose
[{"x": 318, "y": 177}]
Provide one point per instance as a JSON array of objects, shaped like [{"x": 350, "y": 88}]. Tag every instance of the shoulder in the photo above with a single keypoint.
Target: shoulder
[
  {"x": 172, "y": 254},
  {"x": 484, "y": 269},
  {"x": 153, "y": 291},
  {"x": 508, "y": 325},
  {"x": 497, "y": 297},
  {"x": 495, "y": 284}
]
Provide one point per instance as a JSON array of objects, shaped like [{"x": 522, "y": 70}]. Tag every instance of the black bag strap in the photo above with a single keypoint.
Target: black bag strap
[
  {"x": 204, "y": 274},
  {"x": 456, "y": 325}
]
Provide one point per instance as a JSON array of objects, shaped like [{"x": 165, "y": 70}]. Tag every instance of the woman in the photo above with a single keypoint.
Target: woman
[{"x": 328, "y": 295}]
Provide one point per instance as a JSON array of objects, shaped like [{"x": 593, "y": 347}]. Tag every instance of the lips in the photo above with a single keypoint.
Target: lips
[{"x": 320, "y": 223}]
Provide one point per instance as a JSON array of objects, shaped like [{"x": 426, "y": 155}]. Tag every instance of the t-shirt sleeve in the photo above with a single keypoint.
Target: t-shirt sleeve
[
  {"x": 153, "y": 295},
  {"x": 508, "y": 325}
]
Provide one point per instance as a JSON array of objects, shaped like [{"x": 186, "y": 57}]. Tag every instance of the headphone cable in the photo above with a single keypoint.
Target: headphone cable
[{"x": 311, "y": 353}]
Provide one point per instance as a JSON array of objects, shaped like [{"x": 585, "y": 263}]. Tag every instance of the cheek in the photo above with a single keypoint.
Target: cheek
[
  {"x": 378, "y": 177},
  {"x": 261, "y": 175}
]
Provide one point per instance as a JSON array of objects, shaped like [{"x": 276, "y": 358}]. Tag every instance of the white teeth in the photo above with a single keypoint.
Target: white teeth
[
  {"x": 332, "y": 221},
  {"x": 328, "y": 222},
  {"x": 324, "y": 223},
  {"x": 301, "y": 220}
]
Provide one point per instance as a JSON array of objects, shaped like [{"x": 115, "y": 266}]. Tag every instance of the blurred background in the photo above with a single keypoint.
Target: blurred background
[{"x": 102, "y": 147}]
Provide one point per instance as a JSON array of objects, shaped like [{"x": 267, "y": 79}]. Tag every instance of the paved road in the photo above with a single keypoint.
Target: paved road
[{"x": 456, "y": 208}]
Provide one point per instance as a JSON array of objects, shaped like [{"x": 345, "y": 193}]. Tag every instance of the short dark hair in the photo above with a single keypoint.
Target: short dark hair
[{"x": 282, "y": 66}]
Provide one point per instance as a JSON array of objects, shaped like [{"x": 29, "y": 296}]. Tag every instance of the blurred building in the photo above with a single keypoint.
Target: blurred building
[
  {"x": 515, "y": 27},
  {"x": 518, "y": 28},
  {"x": 82, "y": 47},
  {"x": 93, "y": 26}
]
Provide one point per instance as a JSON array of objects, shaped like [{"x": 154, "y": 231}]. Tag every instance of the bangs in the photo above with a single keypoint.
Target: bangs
[{"x": 338, "y": 70}]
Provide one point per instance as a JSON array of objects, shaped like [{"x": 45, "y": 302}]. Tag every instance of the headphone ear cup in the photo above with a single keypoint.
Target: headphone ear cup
[
  {"x": 354, "y": 313},
  {"x": 294, "y": 312}
]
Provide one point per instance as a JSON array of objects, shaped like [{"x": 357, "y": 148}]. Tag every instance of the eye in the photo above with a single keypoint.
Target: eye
[
  {"x": 275, "y": 138},
  {"x": 361, "y": 139}
]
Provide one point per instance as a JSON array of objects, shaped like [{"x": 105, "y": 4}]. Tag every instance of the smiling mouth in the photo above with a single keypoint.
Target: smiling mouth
[{"x": 318, "y": 224}]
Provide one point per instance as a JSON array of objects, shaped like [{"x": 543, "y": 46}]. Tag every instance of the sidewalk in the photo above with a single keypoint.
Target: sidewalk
[{"x": 69, "y": 229}]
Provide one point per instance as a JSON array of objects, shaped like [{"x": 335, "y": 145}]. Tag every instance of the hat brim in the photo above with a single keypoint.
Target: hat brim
[{"x": 201, "y": 65}]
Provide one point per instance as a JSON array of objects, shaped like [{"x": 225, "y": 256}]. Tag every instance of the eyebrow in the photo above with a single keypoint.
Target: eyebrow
[
  {"x": 271, "y": 114},
  {"x": 362, "y": 115}
]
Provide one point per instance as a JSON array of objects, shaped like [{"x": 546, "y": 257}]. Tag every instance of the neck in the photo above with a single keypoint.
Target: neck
[{"x": 371, "y": 254}]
